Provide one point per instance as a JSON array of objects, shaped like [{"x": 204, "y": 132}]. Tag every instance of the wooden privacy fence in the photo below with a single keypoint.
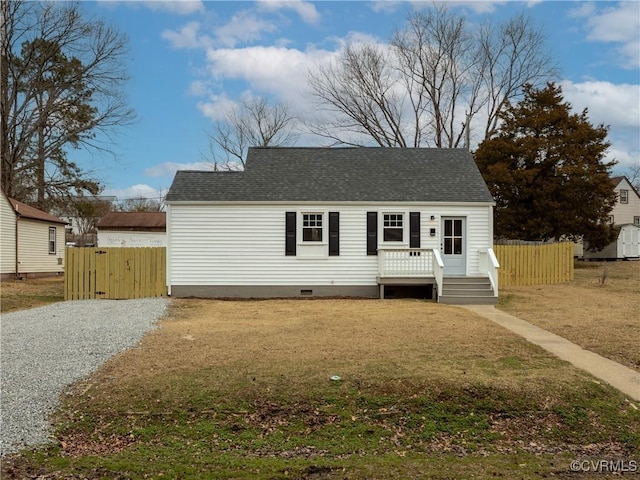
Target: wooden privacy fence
[
  {"x": 114, "y": 273},
  {"x": 534, "y": 264}
]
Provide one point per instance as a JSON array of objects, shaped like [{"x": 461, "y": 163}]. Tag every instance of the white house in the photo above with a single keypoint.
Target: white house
[
  {"x": 626, "y": 216},
  {"x": 627, "y": 208},
  {"x": 333, "y": 222},
  {"x": 31, "y": 241},
  {"x": 132, "y": 229}
]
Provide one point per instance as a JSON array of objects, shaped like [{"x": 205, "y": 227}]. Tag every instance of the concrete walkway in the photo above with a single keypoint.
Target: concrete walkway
[{"x": 623, "y": 378}]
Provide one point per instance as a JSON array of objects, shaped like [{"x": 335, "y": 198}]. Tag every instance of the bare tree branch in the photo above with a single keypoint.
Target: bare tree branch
[
  {"x": 437, "y": 75},
  {"x": 255, "y": 123}
]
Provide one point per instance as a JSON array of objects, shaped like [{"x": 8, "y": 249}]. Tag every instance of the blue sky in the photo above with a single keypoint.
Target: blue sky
[{"x": 190, "y": 61}]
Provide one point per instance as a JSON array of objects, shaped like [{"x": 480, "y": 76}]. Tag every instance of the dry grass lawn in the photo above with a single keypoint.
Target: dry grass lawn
[
  {"x": 307, "y": 341},
  {"x": 599, "y": 310},
  {"x": 243, "y": 389},
  {"x": 23, "y": 294}
]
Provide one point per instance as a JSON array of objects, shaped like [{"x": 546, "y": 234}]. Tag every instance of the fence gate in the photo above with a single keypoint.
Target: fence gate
[{"x": 114, "y": 273}]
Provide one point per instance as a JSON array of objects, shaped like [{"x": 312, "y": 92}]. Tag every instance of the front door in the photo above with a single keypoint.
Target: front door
[{"x": 454, "y": 245}]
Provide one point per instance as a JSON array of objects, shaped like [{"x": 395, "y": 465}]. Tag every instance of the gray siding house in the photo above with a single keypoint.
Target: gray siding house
[{"x": 333, "y": 222}]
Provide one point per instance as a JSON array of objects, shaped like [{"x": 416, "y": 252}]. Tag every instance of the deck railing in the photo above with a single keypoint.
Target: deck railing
[{"x": 405, "y": 262}]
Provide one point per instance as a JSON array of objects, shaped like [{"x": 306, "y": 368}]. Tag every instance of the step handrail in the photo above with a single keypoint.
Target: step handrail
[
  {"x": 489, "y": 264},
  {"x": 438, "y": 271}
]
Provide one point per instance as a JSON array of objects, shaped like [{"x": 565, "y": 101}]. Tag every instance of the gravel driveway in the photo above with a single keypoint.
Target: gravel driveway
[{"x": 43, "y": 350}]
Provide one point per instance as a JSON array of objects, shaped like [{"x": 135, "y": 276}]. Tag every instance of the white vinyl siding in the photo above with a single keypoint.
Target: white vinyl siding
[
  {"x": 7, "y": 236},
  {"x": 245, "y": 244},
  {"x": 33, "y": 247}
]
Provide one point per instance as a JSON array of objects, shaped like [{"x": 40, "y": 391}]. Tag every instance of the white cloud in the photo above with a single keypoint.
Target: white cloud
[
  {"x": 385, "y": 6},
  {"x": 168, "y": 169},
  {"x": 134, "y": 191},
  {"x": 278, "y": 70},
  {"x": 584, "y": 9},
  {"x": 612, "y": 104},
  {"x": 198, "y": 88},
  {"x": 177, "y": 7},
  {"x": 476, "y": 6},
  {"x": 615, "y": 105},
  {"x": 244, "y": 26},
  {"x": 186, "y": 37},
  {"x": 216, "y": 107},
  {"x": 306, "y": 10},
  {"x": 625, "y": 158},
  {"x": 619, "y": 24}
]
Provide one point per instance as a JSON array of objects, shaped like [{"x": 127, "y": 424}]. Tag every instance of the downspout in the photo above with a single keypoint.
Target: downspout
[{"x": 17, "y": 273}]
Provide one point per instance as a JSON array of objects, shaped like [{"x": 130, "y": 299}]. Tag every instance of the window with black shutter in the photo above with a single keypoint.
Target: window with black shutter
[
  {"x": 290, "y": 236},
  {"x": 334, "y": 234},
  {"x": 414, "y": 229},
  {"x": 372, "y": 233}
]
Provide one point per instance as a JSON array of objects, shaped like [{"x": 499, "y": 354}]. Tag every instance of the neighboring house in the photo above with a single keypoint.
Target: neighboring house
[
  {"x": 627, "y": 208},
  {"x": 626, "y": 216},
  {"x": 132, "y": 229},
  {"x": 32, "y": 241},
  {"x": 333, "y": 222}
]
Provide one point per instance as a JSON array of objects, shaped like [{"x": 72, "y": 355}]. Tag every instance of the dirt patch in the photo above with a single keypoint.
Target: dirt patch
[{"x": 598, "y": 310}]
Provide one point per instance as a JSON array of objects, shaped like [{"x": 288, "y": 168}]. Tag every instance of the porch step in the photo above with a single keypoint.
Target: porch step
[{"x": 467, "y": 291}]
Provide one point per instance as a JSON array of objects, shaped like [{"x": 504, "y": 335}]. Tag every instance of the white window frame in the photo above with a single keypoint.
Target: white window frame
[
  {"x": 624, "y": 196},
  {"x": 636, "y": 221},
  {"x": 312, "y": 249},
  {"x": 52, "y": 241},
  {"x": 405, "y": 225},
  {"x": 313, "y": 225}
]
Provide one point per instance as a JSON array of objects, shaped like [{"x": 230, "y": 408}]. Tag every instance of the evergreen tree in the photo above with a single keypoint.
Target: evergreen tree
[{"x": 545, "y": 168}]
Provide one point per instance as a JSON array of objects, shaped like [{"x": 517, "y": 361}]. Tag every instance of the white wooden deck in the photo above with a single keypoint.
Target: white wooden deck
[{"x": 424, "y": 266}]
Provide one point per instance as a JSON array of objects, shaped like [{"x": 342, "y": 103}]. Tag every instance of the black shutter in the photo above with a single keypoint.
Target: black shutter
[
  {"x": 334, "y": 233},
  {"x": 414, "y": 229},
  {"x": 372, "y": 233},
  {"x": 290, "y": 239}
]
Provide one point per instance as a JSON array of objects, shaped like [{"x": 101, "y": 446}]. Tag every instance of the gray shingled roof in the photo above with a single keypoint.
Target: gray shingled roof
[{"x": 339, "y": 175}]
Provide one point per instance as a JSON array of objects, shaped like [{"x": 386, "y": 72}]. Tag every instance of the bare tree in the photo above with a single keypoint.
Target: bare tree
[
  {"x": 141, "y": 204},
  {"x": 513, "y": 55},
  {"x": 87, "y": 211},
  {"x": 437, "y": 75},
  {"x": 255, "y": 123},
  {"x": 61, "y": 78},
  {"x": 633, "y": 175},
  {"x": 361, "y": 87}
]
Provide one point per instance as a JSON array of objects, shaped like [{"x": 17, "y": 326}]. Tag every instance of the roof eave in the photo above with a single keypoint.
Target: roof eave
[{"x": 330, "y": 203}]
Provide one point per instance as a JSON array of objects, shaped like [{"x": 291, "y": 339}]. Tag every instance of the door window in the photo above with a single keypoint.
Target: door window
[{"x": 453, "y": 237}]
